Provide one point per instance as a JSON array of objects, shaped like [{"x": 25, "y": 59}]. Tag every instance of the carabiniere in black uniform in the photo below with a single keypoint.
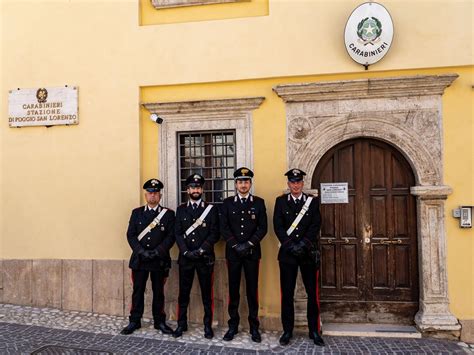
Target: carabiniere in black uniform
[
  {"x": 196, "y": 254},
  {"x": 243, "y": 224},
  {"x": 150, "y": 257},
  {"x": 298, "y": 250}
]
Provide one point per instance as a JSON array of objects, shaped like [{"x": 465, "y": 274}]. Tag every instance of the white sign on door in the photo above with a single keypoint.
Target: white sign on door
[{"x": 334, "y": 192}]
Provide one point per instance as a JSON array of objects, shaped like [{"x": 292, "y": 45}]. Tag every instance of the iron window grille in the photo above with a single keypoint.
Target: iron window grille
[{"x": 211, "y": 154}]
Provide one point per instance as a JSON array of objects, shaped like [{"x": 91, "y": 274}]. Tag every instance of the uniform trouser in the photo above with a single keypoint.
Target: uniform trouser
[
  {"x": 186, "y": 276},
  {"x": 251, "y": 268},
  {"x": 309, "y": 274},
  {"x": 158, "y": 279}
]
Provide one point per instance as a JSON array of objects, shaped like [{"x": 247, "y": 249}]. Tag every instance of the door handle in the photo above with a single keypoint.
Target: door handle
[
  {"x": 398, "y": 241},
  {"x": 332, "y": 241}
]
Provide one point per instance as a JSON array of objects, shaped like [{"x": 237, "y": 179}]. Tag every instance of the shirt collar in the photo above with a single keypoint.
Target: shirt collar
[
  {"x": 147, "y": 208},
  {"x": 300, "y": 197},
  {"x": 190, "y": 202}
]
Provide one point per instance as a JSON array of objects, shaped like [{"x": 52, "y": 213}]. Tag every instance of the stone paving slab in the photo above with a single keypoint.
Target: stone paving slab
[{"x": 24, "y": 330}]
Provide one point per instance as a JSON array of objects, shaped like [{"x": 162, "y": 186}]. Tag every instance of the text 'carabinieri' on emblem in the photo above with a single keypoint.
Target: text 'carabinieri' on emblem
[{"x": 369, "y": 33}]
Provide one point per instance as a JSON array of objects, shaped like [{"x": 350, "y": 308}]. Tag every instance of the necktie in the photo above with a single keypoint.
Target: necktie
[
  {"x": 297, "y": 202},
  {"x": 195, "y": 206},
  {"x": 243, "y": 200}
]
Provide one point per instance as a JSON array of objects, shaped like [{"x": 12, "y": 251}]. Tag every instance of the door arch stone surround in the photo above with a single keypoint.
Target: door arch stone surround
[{"x": 406, "y": 112}]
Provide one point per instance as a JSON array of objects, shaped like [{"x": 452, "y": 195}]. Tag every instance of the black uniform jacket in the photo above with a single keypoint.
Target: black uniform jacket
[
  {"x": 284, "y": 214},
  {"x": 204, "y": 236},
  {"x": 161, "y": 238},
  {"x": 243, "y": 222}
]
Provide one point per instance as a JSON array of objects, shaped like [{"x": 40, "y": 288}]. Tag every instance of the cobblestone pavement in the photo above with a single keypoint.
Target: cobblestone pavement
[{"x": 29, "y": 330}]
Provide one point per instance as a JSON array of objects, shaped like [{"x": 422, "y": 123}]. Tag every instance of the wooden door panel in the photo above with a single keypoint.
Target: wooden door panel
[
  {"x": 328, "y": 225},
  {"x": 400, "y": 217},
  {"x": 402, "y": 269},
  {"x": 347, "y": 214},
  {"x": 380, "y": 272},
  {"x": 327, "y": 174},
  {"x": 345, "y": 171},
  {"x": 399, "y": 179},
  {"x": 369, "y": 256},
  {"x": 349, "y": 266},
  {"x": 378, "y": 208},
  {"x": 328, "y": 267},
  {"x": 368, "y": 312},
  {"x": 328, "y": 215},
  {"x": 377, "y": 167}
]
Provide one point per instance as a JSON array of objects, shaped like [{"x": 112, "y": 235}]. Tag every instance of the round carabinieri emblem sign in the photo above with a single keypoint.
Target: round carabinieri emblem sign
[{"x": 369, "y": 33}]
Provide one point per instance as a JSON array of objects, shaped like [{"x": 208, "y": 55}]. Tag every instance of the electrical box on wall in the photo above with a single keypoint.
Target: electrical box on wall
[
  {"x": 464, "y": 213},
  {"x": 466, "y": 217}
]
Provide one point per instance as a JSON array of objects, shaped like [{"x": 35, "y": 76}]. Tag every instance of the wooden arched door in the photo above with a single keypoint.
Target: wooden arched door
[{"x": 369, "y": 270}]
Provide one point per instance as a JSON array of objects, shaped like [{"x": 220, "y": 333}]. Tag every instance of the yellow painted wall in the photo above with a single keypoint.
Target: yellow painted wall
[{"x": 66, "y": 192}]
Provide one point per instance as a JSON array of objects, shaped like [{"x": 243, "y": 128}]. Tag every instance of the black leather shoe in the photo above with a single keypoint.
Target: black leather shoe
[
  {"x": 164, "y": 328},
  {"x": 230, "y": 334},
  {"x": 285, "y": 338},
  {"x": 255, "y": 334},
  {"x": 130, "y": 328},
  {"x": 208, "y": 332},
  {"x": 179, "y": 331},
  {"x": 318, "y": 340}
]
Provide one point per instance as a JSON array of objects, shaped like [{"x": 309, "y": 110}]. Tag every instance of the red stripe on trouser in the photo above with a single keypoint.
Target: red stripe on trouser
[
  {"x": 212, "y": 295},
  {"x": 318, "y": 320},
  {"x": 258, "y": 273},
  {"x": 133, "y": 284},
  {"x": 162, "y": 310},
  {"x": 228, "y": 295},
  {"x": 177, "y": 312}
]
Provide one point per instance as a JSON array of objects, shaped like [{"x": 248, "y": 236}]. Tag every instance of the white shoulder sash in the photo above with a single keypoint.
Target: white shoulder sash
[
  {"x": 199, "y": 221},
  {"x": 299, "y": 216},
  {"x": 153, "y": 224}
]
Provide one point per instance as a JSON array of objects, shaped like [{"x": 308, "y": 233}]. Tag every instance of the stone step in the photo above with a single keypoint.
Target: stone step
[{"x": 371, "y": 330}]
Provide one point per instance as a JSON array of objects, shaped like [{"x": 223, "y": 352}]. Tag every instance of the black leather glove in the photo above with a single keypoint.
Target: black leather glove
[
  {"x": 146, "y": 254},
  {"x": 297, "y": 249},
  {"x": 193, "y": 254},
  {"x": 243, "y": 249},
  {"x": 156, "y": 253},
  {"x": 160, "y": 253}
]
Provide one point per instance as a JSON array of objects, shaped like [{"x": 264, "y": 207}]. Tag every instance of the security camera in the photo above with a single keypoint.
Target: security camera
[{"x": 155, "y": 118}]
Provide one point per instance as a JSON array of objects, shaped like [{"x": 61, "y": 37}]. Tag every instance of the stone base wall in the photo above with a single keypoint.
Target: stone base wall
[
  {"x": 467, "y": 330},
  {"x": 104, "y": 286}
]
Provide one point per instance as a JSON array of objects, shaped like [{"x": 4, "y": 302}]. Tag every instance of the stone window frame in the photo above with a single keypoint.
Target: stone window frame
[
  {"x": 208, "y": 115},
  {"x": 165, "y": 4}
]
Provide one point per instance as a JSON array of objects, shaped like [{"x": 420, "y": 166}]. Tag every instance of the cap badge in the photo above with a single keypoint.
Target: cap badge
[
  {"x": 244, "y": 171},
  {"x": 197, "y": 177},
  {"x": 295, "y": 172}
]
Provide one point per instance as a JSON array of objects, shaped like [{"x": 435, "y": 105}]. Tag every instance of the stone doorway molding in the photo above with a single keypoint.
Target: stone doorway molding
[
  {"x": 204, "y": 115},
  {"x": 406, "y": 113}
]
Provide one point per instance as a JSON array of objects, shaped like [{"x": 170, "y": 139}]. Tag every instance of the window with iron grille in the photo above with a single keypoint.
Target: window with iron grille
[{"x": 211, "y": 154}]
